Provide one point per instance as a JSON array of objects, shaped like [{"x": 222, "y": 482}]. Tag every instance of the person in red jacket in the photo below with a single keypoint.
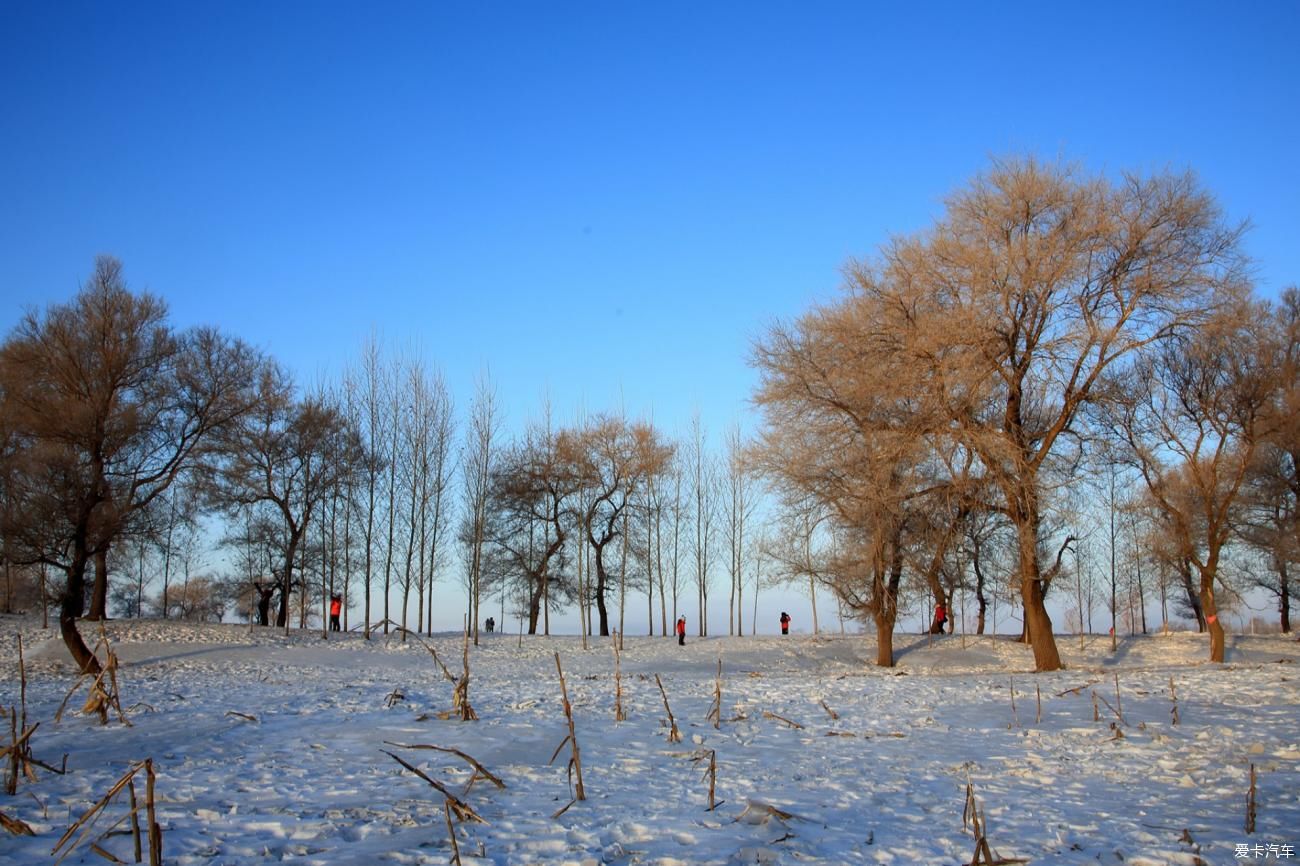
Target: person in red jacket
[
  {"x": 940, "y": 619},
  {"x": 681, "y": 631},
  {"x": 336, "y": 608},
  {"x": 785, "y": 623}
]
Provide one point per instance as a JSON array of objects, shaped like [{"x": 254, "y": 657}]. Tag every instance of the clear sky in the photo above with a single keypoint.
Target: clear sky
[{"x": 601, "y": 201}]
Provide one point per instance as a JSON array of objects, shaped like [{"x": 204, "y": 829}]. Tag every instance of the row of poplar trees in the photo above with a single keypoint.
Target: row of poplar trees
[{"x": 115, "y": 425}]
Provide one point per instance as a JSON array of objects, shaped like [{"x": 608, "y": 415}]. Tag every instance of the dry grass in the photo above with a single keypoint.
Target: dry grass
[
  {"x": 575, "y": 756},
  {"x": 86, "y": 823}
]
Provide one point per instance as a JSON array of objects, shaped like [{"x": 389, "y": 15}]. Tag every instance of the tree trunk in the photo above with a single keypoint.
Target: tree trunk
[
  {"x": 71, "y": 607},
  {"x": 1212, "y": 623},
  {"x": 812, "y": 598},
  {"x": 1284, "y": 597},
  {"x": 1038, "y": 624},
  {"x": 884, "y": 601},
  {"x": 600, "y": 591},
  {"x": 99, "y": 594},
  {"x": 286, "y": 583},
  {"x": 885, "y": 639},
  {"x": 1193, "y": 596}
]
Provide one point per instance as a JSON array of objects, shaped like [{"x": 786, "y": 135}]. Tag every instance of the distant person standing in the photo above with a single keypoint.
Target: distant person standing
[
  {"x": 264, "y": 594},
  {"x": 940, "y": 619},
  {"x": 336, "y": 608},
  {"x": 785, "y": 623},
  {"x": 490, "y": 624},
  {"x": 681, "y": 631}
]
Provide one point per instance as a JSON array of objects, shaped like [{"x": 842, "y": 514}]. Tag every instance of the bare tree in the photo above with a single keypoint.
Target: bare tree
[
  {"x": 1194, "y": 416},
  {"x": 1003, "y": 316},
  {"x": 1272, "y": 497},
  {"x": 372, "y": 421},
  {"x": 795, "y": 551},
  {"x": 392, "y": 451},
  {"x": 533, "y": 485},
  {"x": 289, "y": 456},
  {"x": 615, "y": 457},
  {"x": 435, "y": 466},
  {"x": 478, "y": 454},
  {"x": 677, "y": 516},
  {"x": 108, "y": 405},
  {"x": 852, "y": 455},
  {"x": 661, "y": 506},
  {"x": 739, "y": 502},
  {"x": 702, "y": 472},
  {"x": 423, "y": 459}
]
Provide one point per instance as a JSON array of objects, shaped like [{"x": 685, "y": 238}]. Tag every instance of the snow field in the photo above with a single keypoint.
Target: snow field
[{"x": 885, "y": 782}]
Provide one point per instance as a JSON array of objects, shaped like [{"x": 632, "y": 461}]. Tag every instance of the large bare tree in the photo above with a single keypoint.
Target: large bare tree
[
  {"x": 107, "y": 405},
  {"x": 1272, "y": 523},
  {"x": 1194, "y": 417},
  {"x": 615, "y": 457},
  {"x": 1037, "y": 280},
  {"x": 530, "y": 505}
]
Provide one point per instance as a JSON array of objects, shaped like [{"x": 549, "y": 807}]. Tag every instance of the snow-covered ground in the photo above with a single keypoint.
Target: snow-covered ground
[{"x": 272, "y": 748}]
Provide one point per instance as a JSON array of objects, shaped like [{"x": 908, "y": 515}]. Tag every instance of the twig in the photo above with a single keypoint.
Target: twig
[
  {"x": 1173, "y": 696},
  {"x": 711, "y": 773},
  {"x": 22, "y": 678},
  {"x": 482, "y": 770},
  {"x": 100, "y": 698},
  {"x": 135, "y": 823},
  {"x": 575, "y": 761},
  {"x": 834, "y": 715},
  {"x": 1117, "y": 713},
  {"x": 1076, "y": 689},
  {"x": 451, "y": 833},
  {"x": 715, "y": 711},
  {"x": 461, "y": 808},
  {"x": 1250, "y": 803},
  {"x": 16, "y": 826},
  {"x": 972, "y": 818},
  {"x": 244, "y": 716},
  {"x": 467, "y": 713},
  {"x": 674, "y": 735},
  {"x": 620, "y": 715},
  {"x": 769, "y": 715}
]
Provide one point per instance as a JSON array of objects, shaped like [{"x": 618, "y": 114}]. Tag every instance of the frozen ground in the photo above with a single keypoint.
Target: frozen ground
[{"x": 306, "y": 778}]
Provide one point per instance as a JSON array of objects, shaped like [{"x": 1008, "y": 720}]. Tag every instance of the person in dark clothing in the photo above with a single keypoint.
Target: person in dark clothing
[
  {"x": 264, "y": 594},
  {"x": 681, "y": 631},
  {"x": 490, "y": 624},
  {"x": 785, "y": 623}
]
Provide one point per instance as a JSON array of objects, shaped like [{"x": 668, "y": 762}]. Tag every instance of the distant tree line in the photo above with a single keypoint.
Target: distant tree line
[{"x": 1063, "y": 387}]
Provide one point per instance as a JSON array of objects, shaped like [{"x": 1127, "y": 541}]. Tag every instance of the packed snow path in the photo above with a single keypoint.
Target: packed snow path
[{"x": 305, "y": 779}]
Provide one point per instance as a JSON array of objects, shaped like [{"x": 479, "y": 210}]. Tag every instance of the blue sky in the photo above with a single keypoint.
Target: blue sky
[{"x": 604, "y": 202}]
